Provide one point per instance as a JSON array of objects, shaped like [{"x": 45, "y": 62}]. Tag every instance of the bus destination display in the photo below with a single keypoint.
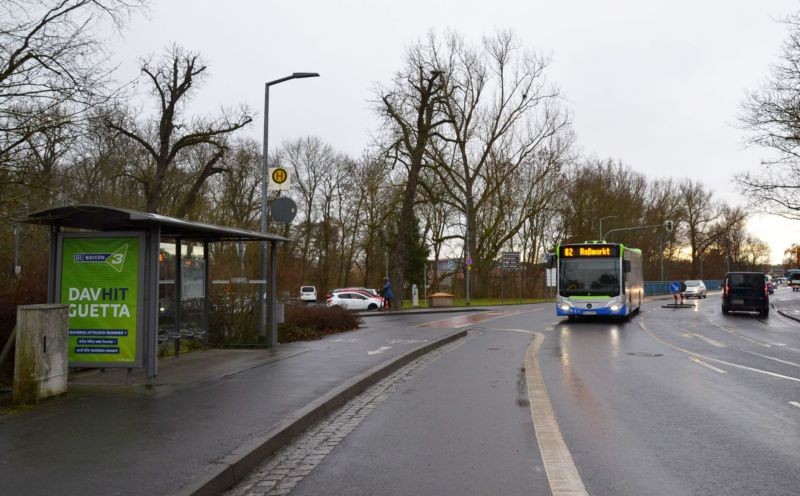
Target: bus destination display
[{"x": 590, "y": 251}]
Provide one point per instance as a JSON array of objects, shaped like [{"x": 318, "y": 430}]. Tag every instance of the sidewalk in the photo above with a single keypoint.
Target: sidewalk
[{"x": 210, "y": 417}]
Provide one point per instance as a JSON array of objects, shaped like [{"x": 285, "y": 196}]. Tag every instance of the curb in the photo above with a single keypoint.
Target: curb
[
  {"x": 234, "y": 467},
  {"x": 783, "y": 312},
  {"x": 423, "y": 311}
]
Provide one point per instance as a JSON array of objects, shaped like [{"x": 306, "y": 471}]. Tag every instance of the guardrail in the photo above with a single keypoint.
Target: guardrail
[{"x": 662, "y": 287}]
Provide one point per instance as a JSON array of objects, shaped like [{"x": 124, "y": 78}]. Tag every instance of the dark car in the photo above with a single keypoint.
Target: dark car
[{"x": 745, "y": 292}]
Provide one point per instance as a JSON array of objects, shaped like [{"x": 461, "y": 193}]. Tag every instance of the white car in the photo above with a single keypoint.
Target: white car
[
  {"x": 354, "y": 300},
  {"x": 308, "y": 293},
  {"x": 695, "y": 289}
]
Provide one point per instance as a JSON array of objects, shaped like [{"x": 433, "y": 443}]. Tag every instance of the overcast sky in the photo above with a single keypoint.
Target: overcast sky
[{"x": 656, "y": 84}]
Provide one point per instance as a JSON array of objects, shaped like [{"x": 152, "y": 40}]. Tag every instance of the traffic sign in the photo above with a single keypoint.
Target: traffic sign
[
  {"x": 279, "y": 179},
  {"x": 469, "y": 261},
  {"x": 510, "y": 259},
  {"x": 675, "y": 287},
  {"x": 283, "y": 209}
]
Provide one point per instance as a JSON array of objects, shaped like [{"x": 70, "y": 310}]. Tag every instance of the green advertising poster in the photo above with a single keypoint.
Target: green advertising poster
[{"x": 100, "y": 283}]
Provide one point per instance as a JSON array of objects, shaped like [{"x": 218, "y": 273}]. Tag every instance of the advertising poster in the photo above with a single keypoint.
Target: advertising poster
[{"x": 100, "y": 283}]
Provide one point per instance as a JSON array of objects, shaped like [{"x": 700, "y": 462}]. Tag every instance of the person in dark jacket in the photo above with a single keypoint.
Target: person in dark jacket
[{"x": 387, "y": 294}]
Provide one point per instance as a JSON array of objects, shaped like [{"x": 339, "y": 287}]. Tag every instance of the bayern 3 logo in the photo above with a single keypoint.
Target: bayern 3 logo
[{"x": 116, "y": 259}]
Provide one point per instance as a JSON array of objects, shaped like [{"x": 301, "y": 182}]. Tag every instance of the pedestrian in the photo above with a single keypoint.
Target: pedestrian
[
  {"x": 387, "y": 294},
  {"x": 683, "y": 291}
]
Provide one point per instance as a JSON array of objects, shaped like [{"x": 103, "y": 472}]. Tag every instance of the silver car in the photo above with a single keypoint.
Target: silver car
[{"x": 695, "y": 289}]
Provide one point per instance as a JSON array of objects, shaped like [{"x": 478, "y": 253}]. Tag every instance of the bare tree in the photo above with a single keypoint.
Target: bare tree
[
  {"x": 705, "y": 220},
  {"x": 173, "y": 78},
  {"x": 411, "y": 112},
  {"x": 51, "y": 64},
  {"x": 506, "y": 127},
  {"x": 771, "y": 116}
]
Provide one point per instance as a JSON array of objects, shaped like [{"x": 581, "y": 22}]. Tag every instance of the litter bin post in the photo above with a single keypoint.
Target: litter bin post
[{"x": 441, "y": 300}]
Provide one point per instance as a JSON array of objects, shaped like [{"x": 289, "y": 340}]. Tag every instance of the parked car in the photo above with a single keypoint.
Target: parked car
[
  {"x": 308, "y": 293},
  {"x": 745, "y": 292},
  {"x": 695, "y": 289},
  {"x": 359, "y": 288},
  {"x": 355, "y": 300}
]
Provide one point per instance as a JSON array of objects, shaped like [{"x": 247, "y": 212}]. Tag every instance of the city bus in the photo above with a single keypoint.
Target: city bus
[{"x": 598, "y": 278}]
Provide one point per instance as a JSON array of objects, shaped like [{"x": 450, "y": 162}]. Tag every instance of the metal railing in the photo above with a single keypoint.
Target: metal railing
[{"x": 662, "y": 287}]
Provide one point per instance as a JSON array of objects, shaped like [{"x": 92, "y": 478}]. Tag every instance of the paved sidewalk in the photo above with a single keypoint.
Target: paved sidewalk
[{"x": 209, "y": 419}]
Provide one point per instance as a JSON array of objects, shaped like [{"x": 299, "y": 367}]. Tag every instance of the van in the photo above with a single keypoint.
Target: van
[{"x": 745, "y": 292}]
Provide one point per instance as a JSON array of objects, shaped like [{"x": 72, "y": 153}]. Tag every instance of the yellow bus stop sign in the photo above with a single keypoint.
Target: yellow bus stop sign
[{"x": 278, "y": 179}]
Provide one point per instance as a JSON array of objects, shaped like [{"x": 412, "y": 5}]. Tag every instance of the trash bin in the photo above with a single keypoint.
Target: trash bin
[{"x": 441, "y": 300}]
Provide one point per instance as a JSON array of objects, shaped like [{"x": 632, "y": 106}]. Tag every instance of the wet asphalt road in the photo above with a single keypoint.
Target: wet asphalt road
[
  {"x": 675, "y": 402},
  {"x": 461, "y": 426}
]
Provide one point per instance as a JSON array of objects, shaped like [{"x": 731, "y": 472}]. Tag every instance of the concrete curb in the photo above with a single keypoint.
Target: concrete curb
[
  {"x": 423, "y": 311},
  {"x": 234, "y": 467},
  {"x": 782, "y": 312}
]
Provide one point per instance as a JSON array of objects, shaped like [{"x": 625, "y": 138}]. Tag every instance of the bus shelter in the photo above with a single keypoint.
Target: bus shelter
[{"x": 104, "y": 263}]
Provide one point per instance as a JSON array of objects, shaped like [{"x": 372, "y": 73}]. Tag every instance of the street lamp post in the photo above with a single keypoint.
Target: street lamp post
[
  {"x": 262, "y": 320},
  {"x": 601, "y": 224}
]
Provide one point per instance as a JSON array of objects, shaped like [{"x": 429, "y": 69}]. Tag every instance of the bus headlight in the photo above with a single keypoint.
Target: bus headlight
[
  {"x": 565, "y": 307},
  {"x": 615, "y": 307}
]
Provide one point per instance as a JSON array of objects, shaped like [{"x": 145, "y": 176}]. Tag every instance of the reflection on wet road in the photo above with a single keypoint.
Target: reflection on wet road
[
  {"x": 679, "y": 401},
  {"x": 459, "y": 321}
]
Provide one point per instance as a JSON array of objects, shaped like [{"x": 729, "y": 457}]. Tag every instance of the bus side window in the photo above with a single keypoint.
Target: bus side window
[{"x": 626, "y": 265}]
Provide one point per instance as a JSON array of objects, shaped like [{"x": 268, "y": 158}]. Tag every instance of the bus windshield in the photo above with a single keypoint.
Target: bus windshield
[{"x": 589, "y": 277}]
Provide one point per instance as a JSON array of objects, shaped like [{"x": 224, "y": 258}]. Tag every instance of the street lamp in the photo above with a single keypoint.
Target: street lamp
[
  {"x": 601, "y": 224},
  {"x": 262, "y": 320}
]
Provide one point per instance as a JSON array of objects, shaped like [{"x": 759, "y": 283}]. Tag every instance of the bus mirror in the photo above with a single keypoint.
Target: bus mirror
[{"x": 626, "y": 265}]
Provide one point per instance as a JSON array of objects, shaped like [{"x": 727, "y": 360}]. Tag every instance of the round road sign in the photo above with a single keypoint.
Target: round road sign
[
  {"x": 283, "y": 209},
  {"x": 279, "y": 175}
]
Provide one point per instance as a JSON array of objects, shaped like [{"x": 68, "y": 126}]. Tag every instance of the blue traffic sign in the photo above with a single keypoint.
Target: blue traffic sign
[{"x": 675, "y": 287}]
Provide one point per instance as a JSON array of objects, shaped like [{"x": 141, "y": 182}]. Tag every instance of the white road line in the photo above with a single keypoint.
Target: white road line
[
  {"x": 716, "y": 360},
  {"x": 511, "y": 330},
  {"x": 379, "y": 350},
  {"x": 562, "y": 474},
  {"x": 708, "y": 340},
  {"x": 704, "y": 364},
  {"x": 794, "y": 403},
  {"x": 787, "y": 362}
]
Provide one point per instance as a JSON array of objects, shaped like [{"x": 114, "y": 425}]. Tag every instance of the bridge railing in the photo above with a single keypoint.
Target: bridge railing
[{"x": 662, "y": 287}]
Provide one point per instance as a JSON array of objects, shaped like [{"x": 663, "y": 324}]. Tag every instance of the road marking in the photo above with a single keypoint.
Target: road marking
[
  {"x": 407, "y": 341},
  {"x": 704, "y": 364},
  {"x": 379, "y": 350},
  {"x": 794, "y": 403},
  {"x": 511, "y": 330},
  {"x": 342, "y": 340},
  {"x": 708, "y": 340},
  {"x": 473, "y": 318},
  {"x": 707, "y": 358},
  {"x": 787, "y": 362},
  {"x": 562, "y": 474}
]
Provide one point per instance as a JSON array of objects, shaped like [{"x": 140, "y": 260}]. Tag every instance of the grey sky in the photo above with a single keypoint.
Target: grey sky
[{"x": 656, "y": 84}]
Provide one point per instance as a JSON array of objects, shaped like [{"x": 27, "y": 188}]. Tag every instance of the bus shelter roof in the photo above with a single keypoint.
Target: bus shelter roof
[{"x": 103, "y": 218}]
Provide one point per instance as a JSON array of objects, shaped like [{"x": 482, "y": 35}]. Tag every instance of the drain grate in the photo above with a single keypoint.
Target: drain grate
[{"x": 645, "y": 354}]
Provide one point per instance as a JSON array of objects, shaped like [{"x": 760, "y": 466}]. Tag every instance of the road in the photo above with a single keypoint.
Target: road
[{"x": 675, "y": 402}]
